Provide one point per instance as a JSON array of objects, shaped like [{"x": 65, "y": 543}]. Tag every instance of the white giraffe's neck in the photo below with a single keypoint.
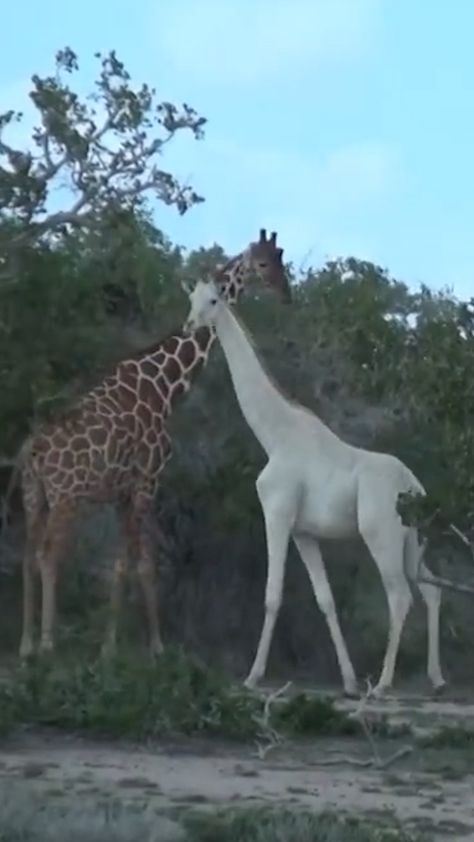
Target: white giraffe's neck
[{"x": 267, "y": 412}]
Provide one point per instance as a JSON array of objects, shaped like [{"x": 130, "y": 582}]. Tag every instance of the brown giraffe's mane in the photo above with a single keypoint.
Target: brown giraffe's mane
[{"x": 159, "y": 345}]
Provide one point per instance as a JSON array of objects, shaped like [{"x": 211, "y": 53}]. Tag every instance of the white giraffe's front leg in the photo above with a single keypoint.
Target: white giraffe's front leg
[
  {"x": 279, "y": 505},
  {"x": 310, "y": 553}
]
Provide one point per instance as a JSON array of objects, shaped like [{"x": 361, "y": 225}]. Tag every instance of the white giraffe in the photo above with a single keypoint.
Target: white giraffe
[{"x": 316, "y": 486}]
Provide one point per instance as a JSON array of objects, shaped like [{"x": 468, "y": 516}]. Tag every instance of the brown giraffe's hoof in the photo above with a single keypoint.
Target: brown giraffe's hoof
[
  {"x": 156, "y": 649},
  {"x": 108, "y": 650},
  {"x": 27, "y": 650},
  {"x": 46, "y": 650}
]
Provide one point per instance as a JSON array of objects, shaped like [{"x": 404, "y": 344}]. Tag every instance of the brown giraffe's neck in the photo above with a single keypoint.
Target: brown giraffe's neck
[{"x": 165, "y": 370}]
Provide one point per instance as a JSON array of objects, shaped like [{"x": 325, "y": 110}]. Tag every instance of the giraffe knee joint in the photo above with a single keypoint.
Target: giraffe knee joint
[
  {"x": 272, "y": 604},
  {"x": 326, "y": 604}
]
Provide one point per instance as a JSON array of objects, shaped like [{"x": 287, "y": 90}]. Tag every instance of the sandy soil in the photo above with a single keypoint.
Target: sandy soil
[{"x": 426, "y": 790}]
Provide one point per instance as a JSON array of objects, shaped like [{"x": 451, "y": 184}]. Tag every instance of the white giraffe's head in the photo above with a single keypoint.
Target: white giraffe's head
[{"x": 205, "y": 300}]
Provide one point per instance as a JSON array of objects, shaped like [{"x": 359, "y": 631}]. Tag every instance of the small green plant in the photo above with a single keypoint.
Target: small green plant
[
  {"x": 449, "y": 736},
  {"x": 313, "y": 716}
]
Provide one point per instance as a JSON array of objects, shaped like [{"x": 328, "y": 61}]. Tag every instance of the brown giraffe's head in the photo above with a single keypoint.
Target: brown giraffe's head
[
  {"x": 265, "y": 259},
  {"x": 262, "y": 258}
]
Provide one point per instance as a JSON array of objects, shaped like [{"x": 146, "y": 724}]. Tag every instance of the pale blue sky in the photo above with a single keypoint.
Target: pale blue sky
[{"x": 347, "y": 125}]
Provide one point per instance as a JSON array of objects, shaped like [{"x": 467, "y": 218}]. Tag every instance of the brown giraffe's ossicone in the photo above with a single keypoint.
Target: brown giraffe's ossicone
[{"x": 111, "y": 447}]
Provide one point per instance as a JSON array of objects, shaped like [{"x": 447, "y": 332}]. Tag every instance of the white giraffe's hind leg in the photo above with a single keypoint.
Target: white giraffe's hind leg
[
  {"x": 415, "y": 568},
  {"x": 279, "y": 504},
  {"x": 385, "y": 540},
  {"x": 432, "y": 598},
  {"x": 310, "y": 553}
]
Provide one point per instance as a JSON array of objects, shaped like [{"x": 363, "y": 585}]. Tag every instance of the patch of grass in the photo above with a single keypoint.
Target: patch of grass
[
  {"x": 284, "y": 825},
  {"x": 129, "y": 696},
  {"x": 448, "y": 736},
  {"x": 27, "y": 819},
  {"x": 24, "y": 818}
]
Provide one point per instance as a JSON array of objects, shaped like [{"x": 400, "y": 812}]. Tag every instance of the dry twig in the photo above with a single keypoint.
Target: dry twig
[
  {"x": 376, "y": 760},
  {"x": 268, "y": 733}
]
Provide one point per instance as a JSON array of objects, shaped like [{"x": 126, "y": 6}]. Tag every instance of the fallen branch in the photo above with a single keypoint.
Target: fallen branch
[
  {"x": 376, "y": 762},
  {"x": 270, "y": 734}
]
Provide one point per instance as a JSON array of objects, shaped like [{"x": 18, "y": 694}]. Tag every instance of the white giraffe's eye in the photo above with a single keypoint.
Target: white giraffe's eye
[{"x": 213, "y": 300}]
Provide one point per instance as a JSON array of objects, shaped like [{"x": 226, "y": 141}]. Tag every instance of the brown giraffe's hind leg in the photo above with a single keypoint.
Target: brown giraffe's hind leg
[
  {"x": 146, "y": 569},
  {"x": 119, "y": 574},
  {"x": 53, "y": 544},
  {"x": 35, "y": 521}
]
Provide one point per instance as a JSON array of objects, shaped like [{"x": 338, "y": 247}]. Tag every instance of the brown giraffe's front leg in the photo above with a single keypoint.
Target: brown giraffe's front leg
[
  {"x": 53, "y": 544},
  {"x": 146, "y": 570}
]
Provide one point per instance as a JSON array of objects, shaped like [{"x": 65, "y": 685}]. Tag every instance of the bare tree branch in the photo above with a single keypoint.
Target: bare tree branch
[
  {"x": 449, "y": 584},
  {"x": 112, "y": 162}
]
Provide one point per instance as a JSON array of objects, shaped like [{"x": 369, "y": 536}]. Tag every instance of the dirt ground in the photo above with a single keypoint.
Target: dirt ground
[{"x": 426, "y": 788}]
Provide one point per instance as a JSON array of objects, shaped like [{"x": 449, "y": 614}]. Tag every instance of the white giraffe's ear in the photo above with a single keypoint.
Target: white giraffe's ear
[{"x": 187, "y": 287}]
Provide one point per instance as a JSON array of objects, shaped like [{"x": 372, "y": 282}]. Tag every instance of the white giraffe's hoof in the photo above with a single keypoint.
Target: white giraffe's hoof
[
  {"x": 251, "y": 681},
  {"x": 380, "y": 691},
  {"x": 439, "y": 688},
  {"x": 351, "y": 692}
]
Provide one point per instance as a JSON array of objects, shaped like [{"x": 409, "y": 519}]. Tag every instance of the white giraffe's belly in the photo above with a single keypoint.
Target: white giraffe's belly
[{"x": 329, "y": 512}]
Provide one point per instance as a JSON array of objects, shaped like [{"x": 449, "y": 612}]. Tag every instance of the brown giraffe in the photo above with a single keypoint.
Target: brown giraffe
[{"x": 112, "y": 448}]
